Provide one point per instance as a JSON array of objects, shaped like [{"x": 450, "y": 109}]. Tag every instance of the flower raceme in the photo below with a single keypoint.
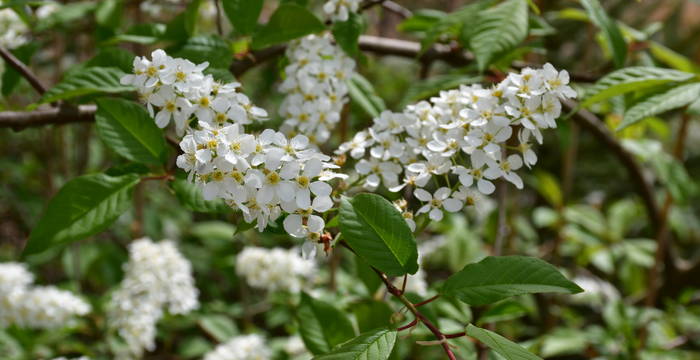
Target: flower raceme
[
  {"x": 472, "y": 135},
  {"x": 244, "y": 347},
  {"x": 463, "y": 133},
  {"x": 339, "y": 10},
  {"x": 274, "y": 269},
  {"x": 315, "y": 87}
]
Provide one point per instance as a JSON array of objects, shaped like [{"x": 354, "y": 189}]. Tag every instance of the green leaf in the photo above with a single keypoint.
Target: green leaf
[
  {"x": 191, "y": 197},
  {"x": 674, "y": 98},
  {"x": 379, "y": 234},
  {"x": 243, "y": 14},
  {"x": 92, "y": 80},
  {"x": 372, "y": 314},
  {"x": 372, "y": 345},
  {"x": 67, "y": 14},
  {"x": 321, "y": 325},
  {"x": 220, "y": 327},
  {"x": 126, "y": 128},
  {"x": 548, "y": 186},
  {"x": 362, "y": 92},
  {"x": 499, "y": 277},
  {"x": 109, "y": 13},
  {"x": 501, "y": 345},
  {"x": 612, "y": 33},
  {"x": 191, "y": 13},
  {"x": 347, "y": 33},
  {"x": 83, "y": 207},
  {"x": 211, "y": 48},
  {"x": 498, "y": 30},
  {"x": 113, "y": 57},
  {"x": 288, "y": 22},
  {"x": 631, "y": 79}
]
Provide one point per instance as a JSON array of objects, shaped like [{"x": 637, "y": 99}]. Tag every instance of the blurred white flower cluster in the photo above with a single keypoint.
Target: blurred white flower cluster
[
  {"x": 78, "y": 358},
  {"x": 178, "y": 89},
  {"x": 245, "y": 347},
  {"x": 274, "y": 269},
  {"x": 462, "y": 132},
  {"x": 14, "y": 31},
  {"x": 40, "y": 307},
  {"x": 339, "y": 10},
  {"x": 261, "y": 175},
  {"x": 157, "y": 8},
  {"x": 315, "y": 87},
  {"x": 156, "y": 277}
]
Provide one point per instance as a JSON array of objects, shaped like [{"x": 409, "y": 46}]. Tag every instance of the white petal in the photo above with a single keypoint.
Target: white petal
[{"x": 422, "y": 195}]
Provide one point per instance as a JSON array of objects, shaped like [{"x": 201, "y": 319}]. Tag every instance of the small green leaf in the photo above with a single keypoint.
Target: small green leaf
[
  {"x": 372, "y": 314},
  {"x": 191, "y": 197},
  {"x": 347, "y": 33},
  {"x": 126, "y": 128},
  {"x": 243, "y": 14},
  {"x": 220, "y": 327},
  {"x": 362, "y": 92},
  {"x": 498, "y": 30},
  {"x": 321, "y": 325},
  {"x": 631, "y": 79},
  {"x": 83, "y": 207},
  {"x": 109, "y": 13},
  {"x": 373, "y": 345},
  {"x": 211, "y": 48},
  {"x": 93, "y": 80},
  {"x": 379, "y": 234},
  {"x": 655, "y": 104},
  {"x": 113, "y": 57},
  {"x": 612, "y": 33},
  {"x": 499, "y": 277},
  {"x": 67, "y": 14},
  {"x": 191, "y": 13},
  {"x": 501, "y": 345},
  {"x": 288, "y": 22}
]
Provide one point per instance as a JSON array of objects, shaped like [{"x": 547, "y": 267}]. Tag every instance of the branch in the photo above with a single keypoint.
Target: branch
[
  {"x": 26, "y": 73},
  {"x": 18, "y": 120},
  {"x": 389, "y": 5}
]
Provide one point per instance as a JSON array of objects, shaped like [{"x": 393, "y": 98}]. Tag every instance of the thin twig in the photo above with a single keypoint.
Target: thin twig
[
  {"x": 219, "y": 26},
  {"x": 23, "y": 69}
]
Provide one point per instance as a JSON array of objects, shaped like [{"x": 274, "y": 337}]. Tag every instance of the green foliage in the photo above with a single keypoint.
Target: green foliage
[
  {"x": 498, "y": 30},
  {"x": 612, "y": 33},
  {"x": 378, "y": 233},
  {"x": 127, "y": 128},
  {"x": 191, "y": 197},
  {"x": 655, "y": 104},
  {"x": 67, "y": 15},
  {"x": 363, "y": 94},
  {"x": 10, "y": 77},
  {"x": 372, "y": 345},
  {"x": 288, "y": 22},
  {"x": 218, "y": 326},
  {"x": 83, "y": 207},
  {"x": 93, "y": 80},
  {"x": 243, "y": 14},
  {"x": 113, "y": 56},
  {"x": 499, "y": 277},
  {"x": 347, "y": 33},
  {"x": 504, "y": 347},
  {"x": 321, "y": 325},
  {"x": 109, "y": 13},
  {"x": 631, "y": 79},
  {"x": 209, "y": 48}
]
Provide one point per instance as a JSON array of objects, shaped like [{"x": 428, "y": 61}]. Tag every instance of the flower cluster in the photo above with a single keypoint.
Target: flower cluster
[
  {"x": 157, "y": 276},
  {"x": 40, "y": 307},
  {"x": 261, "y": 175},
  {"x": 461, "y": 134},
  {"x": 315, "y": 87},
  {"x": 179, "y": 90},
  {"x": 274, "y": 269},
  {"x": 245, "y": 347},
  {"x": 12, "y": 29},
  {"x": 339, "y": 10}
]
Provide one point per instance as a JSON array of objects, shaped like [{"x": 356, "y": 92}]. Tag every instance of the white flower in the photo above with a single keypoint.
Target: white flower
[
  {"x": 437, "y": 202},
  {"x": 339, "y": 10},
  {"x": 274, "y": 269},
  {"x": 245, "y": 347}
]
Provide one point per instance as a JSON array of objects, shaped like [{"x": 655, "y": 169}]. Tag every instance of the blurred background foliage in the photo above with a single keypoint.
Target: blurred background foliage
[{"x": 580, "y": 211}]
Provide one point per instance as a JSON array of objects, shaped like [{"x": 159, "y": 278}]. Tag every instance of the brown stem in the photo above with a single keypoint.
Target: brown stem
[
  {"x": 427, "y": 301},
  {"x": 219, "y": 25},
  {"x": 23, "y": 70}
]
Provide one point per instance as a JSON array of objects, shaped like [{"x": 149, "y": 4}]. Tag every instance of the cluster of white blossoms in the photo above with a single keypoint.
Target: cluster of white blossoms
[
  {"x": 339, "y": 10},
  {"x": 12, "y": 29},
  {"x": 179, "y": 90},
  {"x": 39, "y": 307},
  {"x": 315, "y": 87},
  {"x": 461, "y": 134},
  {"x": 245, "y": 347},
  {"x": 274, "y": 269},
  {"x": 262, "y": 175},
  {"x": 156, "y": 277}
]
